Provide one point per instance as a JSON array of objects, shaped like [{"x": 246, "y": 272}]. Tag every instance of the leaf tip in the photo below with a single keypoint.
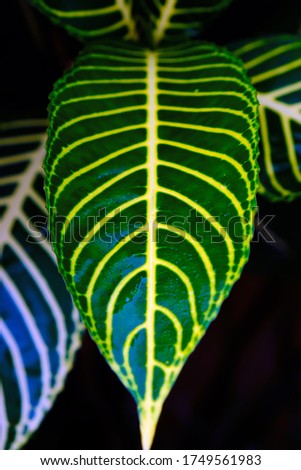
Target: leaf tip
[{"x": 148, "y": 417}]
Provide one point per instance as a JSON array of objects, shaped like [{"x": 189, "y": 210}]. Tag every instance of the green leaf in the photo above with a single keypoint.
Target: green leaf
[
  {"x": 90, "y": 19},
  {"x": 39, "y": 326},
  {"x": 151, "y": 180},
  {"x": 274, "y": 65},
  {"x": 167, "y": 19}
]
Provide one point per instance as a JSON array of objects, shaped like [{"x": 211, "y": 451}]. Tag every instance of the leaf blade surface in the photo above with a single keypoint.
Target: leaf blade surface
[{"x": 148, "y": 145}]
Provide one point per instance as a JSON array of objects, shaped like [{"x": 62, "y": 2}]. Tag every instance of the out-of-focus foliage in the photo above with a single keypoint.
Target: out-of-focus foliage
[
  {"x": 91, "y": 19},
  {"x": 274, "y": 65},
  {"x": 169, "y": 20},
  {"x": 39, "y": 326}
]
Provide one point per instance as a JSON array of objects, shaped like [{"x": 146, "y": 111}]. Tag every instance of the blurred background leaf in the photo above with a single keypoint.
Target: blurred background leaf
[
  {"x": 40, "y": 328},
  {"x": 274, "y": 66},
  {"x": 168, "y": 21},
  {"x": 91, "y": 19}
]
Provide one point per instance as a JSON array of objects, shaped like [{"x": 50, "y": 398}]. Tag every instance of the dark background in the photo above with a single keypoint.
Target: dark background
[{"x": 241, "y": 388}]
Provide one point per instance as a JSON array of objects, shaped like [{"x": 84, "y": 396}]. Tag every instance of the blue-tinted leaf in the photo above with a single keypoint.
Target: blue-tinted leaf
[{"x": 39, "y": 326}]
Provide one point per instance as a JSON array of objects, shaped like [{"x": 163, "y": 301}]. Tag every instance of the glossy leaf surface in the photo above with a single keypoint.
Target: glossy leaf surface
[
  {"x": 39, "y": 327},
  {"x": 151, "y": 177},
  {"x": 274, "y": 65},
  {"x": 90, "y": 19}
]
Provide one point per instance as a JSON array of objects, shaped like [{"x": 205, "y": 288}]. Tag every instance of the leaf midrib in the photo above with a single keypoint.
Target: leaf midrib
[{"x": 147, "y": 421}]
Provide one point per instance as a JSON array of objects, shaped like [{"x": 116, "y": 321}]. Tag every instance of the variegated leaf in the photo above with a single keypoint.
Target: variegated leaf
[
  {"x": 151, "y": 177},
  {"x": 90, "y": 19},
  {"x": 39, "y": 327},
  {"x": 166, "y": 20},
  {"x": 274, "y": 65}
]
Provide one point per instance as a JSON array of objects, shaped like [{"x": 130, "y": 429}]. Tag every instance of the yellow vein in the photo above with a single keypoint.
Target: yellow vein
[
  {"x": 177, "y": 326},
  {"x": 90, "y": 138},
  {"x": 219, "y": 65},
  {"x": 198, "y": 333},
  {"x": 202, "y": 255},
  {"x": 276, "y": 71},
  {"x": 214, "y": 130},
  {"x": 95, "y": 193},
  {"x": 96, "y": 164},
  {"x": 103, "y": 81},
  {"x": 212, "y": 182},
  {"x": 201, "y": 151},
  {"x": 285, "y": 90},
  {"x": 125, "y": 9},
  {"x": 112, "y": 303},
  {"x": 192, "y": 58},
  {"x": 269, "y": 55},
  {"x": 198, "y": 94},
  {"x": 96, "y": 32},
  {"x": 10, "y": 179},
  {"x": 98, "y": 269},
  {"x": 112, "y": 68},
  {"x": 292, "y": 155},
  {"x": 250, "y": 47},
  {"x": 163, "y": 21},
  {"x": 242, "y": 114},
  {"x": 59, "y": 91},
  {"x": 80, "y": 13},
  {"x": 111, "y": 57},
  {"x": 187, "y": 283},
  {"x": 22, "y": 139},
  {"x": 217, "y": 78},
  {"x": 207, "y": 216},
  {"x": 187, "y": 47},
  {"x": 85, "y": 117},
  {"x": 23, "y": 123},
  {"x": 90, "y": 235},
  {"x": 121, "y": 94},
  {"x": 147, "y": 420},
  {"x": 17, "y": 158},
  {"x": 126, "y": 355},
  {"x": 167, "y": 370},
  {"x": 280, "y": 108},
  {"x": 267, "y": 153}
]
